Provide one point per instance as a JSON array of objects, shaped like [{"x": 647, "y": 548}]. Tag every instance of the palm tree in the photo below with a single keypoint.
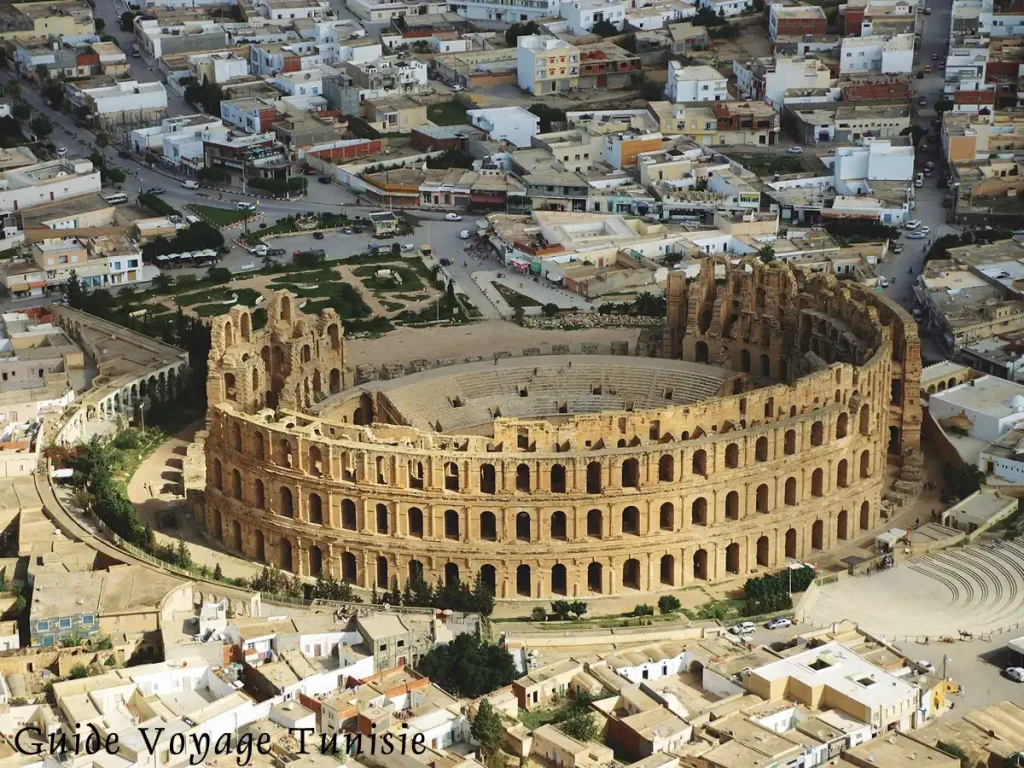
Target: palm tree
[
  {"x": 767, "y": 253},
  {"x": 163, "y": 282}
]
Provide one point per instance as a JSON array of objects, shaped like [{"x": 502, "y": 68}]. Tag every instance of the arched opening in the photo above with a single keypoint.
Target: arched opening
[
  {"x": 523, "y": 478},
  {"x": 416, "y": 478},
  {"x": 218, "y": 475},
  {"x": 745, "y": 360},
  {"x": 286, "y": 309},
  {"x": 218, "y": 525},
  {"x": 416, "y": 572},
  {"x": 789, "y": 442},
  {"x": 236, "y": 484},
  {"x": 236, "y": 437},
  {"x": 761, "y": 499},
  {"x": 559, "y": 582},
  {"x": 631, "y": 574},
  {"x": 700, "y": 565},
  {"x": 256, "y": 387},
  {"x": 523, "y": 526},
  {"x": 817, "y": 433},
  {"x": 594, "y": 484},
  {"x": 451, "y": 524},
  {"x": 451, "y": 574},
  {"x": 236, "y": 535},
  {"x": 732, "y": 558},
  {"x": 335, "y": 381},
  {"x": 230, "y": 389},
  {"x": 487, "y": 478},
  {"x": 348, "y": 514},
  {"x": 415, "y": 520},
  {"x": 316, "y": 509},
  {"x": 842, "y": 425},
  {"x": 382, "y": 572},
  {"x": 766, "y": 365},
  {"x": 817, "y": 482},
  {"x": 668, "y": 570},
  {"x": 451, "y": 476},
  {"x": 894, "y": 441},
  {"x": 790, "y": 492},
  {"x": 732, "y": 456},
  {"x": 286, "y": 507},
  {"x": 284, "y": 453},
  {"x": 896, "y": 395},
  {"x": 382, "y": 519},
  {"x": 865, "y": 516},
  {"x": 261, "y": 547},
  {"x": 558, "y": 526},
  {"x": 865, "y": 419},
  {"x": 631, "y": 473},
  {"x": 380, "y": 470},
  {"x": 260, "y": 494},
  {"x": 842, "y": 474},
  {"x": 318, "y": 387},
  {"x": 700, "y": 462},
  {"x": 700, "y": 353},
  {"x": 631, "y": 521},
  {"x": 335, "y": 336},
  {"x": 761, "y": 449},
  {"x": 557, "y": 478},
  {"x": 666, "y": 468},
  {"x": 316, "y": 562},
  {"x": 260, "y": 448},
  {"x": 818, "y": 535},
  {"x": 523, "y": 581},
  {"x": 842, "y": 525},
  {"x": 865, "y": 464},
  {"x": 667, "y": 517},
  {"x": 285, "y": 552},
  {"x": 732, "y": 506},
  {"x": 762, "y": 551},
  {"x": 307, "y": 353},
  {"x": 595, "y": 578},
  {"x": 595, "y": 524},
  {"x": 489, "y": 578},
  {"x": 699, "y": 511},
  {"x": 488, "y": 527},
  {"x": 348, "y": 568},
  {"x": 791, "y": 543},
  {"x": 316, "y": 461}
]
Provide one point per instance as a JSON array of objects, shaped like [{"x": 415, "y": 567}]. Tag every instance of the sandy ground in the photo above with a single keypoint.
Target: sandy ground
[{"x": 483, "y": 339}]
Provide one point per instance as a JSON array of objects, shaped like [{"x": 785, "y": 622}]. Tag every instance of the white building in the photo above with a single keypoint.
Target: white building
[
  {"x": 769, "y": 79},
  {"x": 885, "y": 55},
  {"x": 289, "y": 10},
  {"x": 125, "y": 102},
  {"x": 512, "y": 124},
  {"x": 582, "y": 15},
  {"x": 504, "y": 10},
  {"x": 153, "y": 137},
  {"x": 697, "y": 83},
  {"x": 217, "y": 67},
  {"x": 727, "y": 8},
  {"x": 993, "y": 406},
  {"x": 303, "y": 83},
  {"x": 659, "y": 15},
  {"x": 877, "y": 160},
  {"x": 47, "y": 182}
]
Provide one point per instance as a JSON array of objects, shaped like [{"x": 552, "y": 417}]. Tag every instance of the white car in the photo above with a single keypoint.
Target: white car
[
  {"x": 927, "y": 666},
  {"x": 452, "y": 217},
  {"x": 916, "y": 236},
  {"x": 780, "y": 623},
  {"x": 924, "y": 230},
  {"x": 795, "y": 150},
  {"x": 244, "y": 206},
  {"x": 883, "y": 282},
  {"x": 465, "y": 234},
  {"x": 456, "y": 88},
  {"x": 743, "y": 628},
  {"x": 62, "y": 151},
  {"x": 913, "y": 224},
  {"x": 406, "y": 247},
  {"x": 1015, "y": 673}
]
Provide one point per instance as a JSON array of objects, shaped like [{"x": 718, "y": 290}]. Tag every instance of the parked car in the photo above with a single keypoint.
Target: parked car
[
  {"x": 916, "y": 236},
  {"x": 927, "y": 71},
  {"x": 743, "y": 628},
  {"x": 324, "y": 179},
  {"x": 920, "y": 74},
  {"x": 452, "y": 217},
  {"x": 1015, "y": 673},
  {"x": 919, "y": 180},
  {"x": 241, "y": 205},
  {"x": 318, "y": 235},
  {"x": 935, "y": 57},
  {"x": 446, "y": 262},
  {"x": 465, "y": 234},
  {"x": 883, "y": 282},
  {"x": 922, "y": 102},
  {"x": 780, "y": 623},
  {"x": 927, "y": 666},
  {"x": 276, "y": 252},
  {"x": 897, "y": 248},
  {"x": 62, "y": 151},
  {"x": 156, "y": 191},
  {"x": 407, "y": 247},
  {"x": 913, "y": 224},
  {"x": 924, "y": 230},
  {"x": 456, "y": 87},
  {"x": 795, "y": 150}
]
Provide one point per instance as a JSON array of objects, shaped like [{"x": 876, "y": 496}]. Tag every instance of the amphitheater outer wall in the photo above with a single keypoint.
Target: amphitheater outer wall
[{"x": 703, "y": 492}]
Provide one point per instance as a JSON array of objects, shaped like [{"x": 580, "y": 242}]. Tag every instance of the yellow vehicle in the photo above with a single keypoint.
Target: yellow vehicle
[
  {"x": 928, "y": 69},
  {"x": 426, "y": 250}
]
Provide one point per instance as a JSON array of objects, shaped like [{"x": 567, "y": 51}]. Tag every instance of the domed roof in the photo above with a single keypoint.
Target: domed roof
[{"x": 1017, "y": 403}]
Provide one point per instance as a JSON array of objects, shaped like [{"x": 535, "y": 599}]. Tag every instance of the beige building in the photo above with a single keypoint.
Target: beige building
[
  {"x": 537, "y": 689},
  {"x": 968, "y": 137},
  {"x": 547, "y": 65},
  {"x": 62, "y": 18},
  {"x": 397, "y": 115},
  {"x": 562, "y": 751}
]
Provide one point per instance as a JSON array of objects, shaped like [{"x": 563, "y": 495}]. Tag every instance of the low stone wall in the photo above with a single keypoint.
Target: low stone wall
[{"x": 591, "y": 320}]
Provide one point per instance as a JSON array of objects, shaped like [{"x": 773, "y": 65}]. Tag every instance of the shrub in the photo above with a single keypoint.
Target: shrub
[
  {"x": 668, "y": 604},
  {"x": 539, "y": 614},
  {"x": 643, "y": 610}
]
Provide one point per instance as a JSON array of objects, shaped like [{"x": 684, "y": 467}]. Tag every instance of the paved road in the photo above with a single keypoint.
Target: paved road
[{"x": 903, "y": 269}]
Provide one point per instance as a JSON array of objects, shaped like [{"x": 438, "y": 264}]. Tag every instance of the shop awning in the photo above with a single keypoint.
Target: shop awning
[
  {"x": 18, "y": 287},
  {"x": 40, "y": 284}
]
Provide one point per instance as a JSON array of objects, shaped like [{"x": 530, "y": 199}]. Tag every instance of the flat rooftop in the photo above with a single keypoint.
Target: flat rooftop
[{"x": 986, "y": 395}]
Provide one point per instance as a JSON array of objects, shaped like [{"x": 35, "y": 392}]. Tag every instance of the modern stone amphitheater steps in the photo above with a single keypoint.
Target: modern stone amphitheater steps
[
  {"x": 956, "y": 589},
  {"x": 1007, "y": 587},
  {"x": 978, "y": 576}
]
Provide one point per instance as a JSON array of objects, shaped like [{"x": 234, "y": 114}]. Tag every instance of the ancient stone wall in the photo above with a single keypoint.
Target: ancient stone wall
[{"x": 587, "y": 504}]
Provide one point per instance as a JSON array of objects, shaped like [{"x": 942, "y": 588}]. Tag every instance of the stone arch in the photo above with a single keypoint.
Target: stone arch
[
  {"x": 451, "y": 476},
  {"x": 557, "y": 478},
  {"x": 594, "y": 477},
  {"x": 745, "y": 360},
  {"x": 349, "y": 571},
  {"x": 789, "y": 442},
  {"x": 700, "y": 352},
  {"x": 236, "y": 484},
  {"x": 732, "y": 456},
  {"x": 523, "y": 581},
  {"x": 316, "y": 461},
  {"x": 700, "y": 462},
  {"x": 451, "y": 574},
  {"x": 842, "y": 426},
  {"x": 699, "y": 511},
  {"x": 286, "y": 308},
  {"x": 488, "y": 527},
  {"x": 865, "y": 516},
  {"x": 817, "y": 433},
  {"x": 595, "y": 524},
  {"x": 631, "y": 521},
  {"x": 488, "y": 479},
  {"x": 865, "y": 464},
  {"x": 559, "y": 580},
  {"x": 667, "y": 517},
  {"x": 762, "y": 551},
  {"x": 732, "y": 505},
  {"x": 761, "y": 449},
  {"x": 489, "y": 578},
  {"x": 334, "y": 334},
  {"x": 381, "y": 513},
  {"x": 791, "y": 551},
  {"x": 236, "y": 535},
  {"x": 631, "y": 473},
  {"x": 451, "y": 524},
  {"x": 414, "y": 522},
  {"x": 865, "y": 419},
  {"x": 667, "y": 569},
  {"x": 631, "y": 574},
  {"x": 218, "y": 524},
  {"x": 285, "y": 555},
  {"x": 286, "y": 505},
  {"x": 523, "y": 478},
  {"x": 318, "y": 389},
  {"x": 335, "y": 381},
  {"x": 218, "y": 475},
  {"x": 790, "y": 491},
  {"x": 245, "y": 325},
  {"x": 818, "y": 535},
  {"x": 843, "y": 473},
  {"x": 595, "y": 578},
  {"x": 316, "y": 562},
  {"x": 315, "y": 508},
  {"x": 348, "y": 514},
  {"x": 261, "y": 547},
  {"x": 843, "y": 525},
  {"x": 261, "y": 494},
  {"x": 761, "y": 499},
  {"x": 817, "y": 482},
  {"x": 732, "y": 558},
  {"x": 666, "y": 468},
  {"x": 382, "y": 572},
  {"x": 229, "y": 334},
  {"x": 236, "y": 437},
  {"x": 700, "y": 565},
  {"x": 558, "y": 526}
]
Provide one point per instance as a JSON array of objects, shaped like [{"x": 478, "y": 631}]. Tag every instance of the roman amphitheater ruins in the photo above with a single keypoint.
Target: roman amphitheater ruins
[{"x": 763, "y": 432}]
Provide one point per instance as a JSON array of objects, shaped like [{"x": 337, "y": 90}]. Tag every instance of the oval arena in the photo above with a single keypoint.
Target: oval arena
[{"x": 764, "y": 432}]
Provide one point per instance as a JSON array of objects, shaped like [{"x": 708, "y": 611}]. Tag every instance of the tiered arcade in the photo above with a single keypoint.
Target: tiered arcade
[{"x": 577, "y": 475}]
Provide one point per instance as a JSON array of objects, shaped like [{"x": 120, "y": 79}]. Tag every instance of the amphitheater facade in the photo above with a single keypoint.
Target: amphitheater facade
[{"x": 762, "y": 434}]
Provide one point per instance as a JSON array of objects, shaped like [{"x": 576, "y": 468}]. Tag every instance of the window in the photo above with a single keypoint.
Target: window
[
  {"x": 401, "y": 643},
  {"x": 65, "y": 623},
  {"x": 42, "y": 626},
  {"x": 88, "y": 620},
  {"x": 383, "y": 647}
]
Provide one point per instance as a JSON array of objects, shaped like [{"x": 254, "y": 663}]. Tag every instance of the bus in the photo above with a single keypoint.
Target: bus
[{"x": 116, "y": 199}]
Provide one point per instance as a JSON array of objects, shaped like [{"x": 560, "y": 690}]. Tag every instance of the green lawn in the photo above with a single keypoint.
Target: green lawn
[
  {"x": 246, "y": 296},
  {"x": 514, "y": 298},
  {"x": 767, "y": 164},
  {"x": 447, "y": 113},
  {"x": 410, "y": 280},
  {"x": 392, "y": 306},
  {"x": 219, "y": 217}
]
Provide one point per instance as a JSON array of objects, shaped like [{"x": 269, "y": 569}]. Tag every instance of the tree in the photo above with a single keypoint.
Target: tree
[
  {"x": 468, "y": 667},
  {"x": 42, "y": 73},
  {"x": 549, "y": 309},
  {"x": 489, "y": 733},
  {"x": 100, "y": 24},
  {"x": 561, "y": 609},
  {"x": 960, "y": 482},
  {"x": 539, "y": 614},
  {"x": 668, "y": 604},
  {"x": 73, "y": 291},
  {"x": 22, "y": 111},
  {"x": 79, "y": 671},
  {"x": 206, "y": 95},
  {"x": 547, "y": 115},
  {"x": 916, "y": 133},
  {"x": 648, "y": 304},
  {"x": 643, "y": 610},
  {"x": 102, "y": 139},
  {"x": 513, "y": 33},
  {"x": 604, "y": 28},
  {"x": 218, "y": 573},
  {"x": 163, "y": 283},
  {"x": 766, "y": 253},
  {"x": 218, "y": 275},
  {"x": 42, "y": 127},
  {"x": 580, "y": 726},
  {"x": 127, "y": 21}
]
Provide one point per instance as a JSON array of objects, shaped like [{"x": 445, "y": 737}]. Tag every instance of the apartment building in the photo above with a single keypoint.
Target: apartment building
[
  {"x": 969, "y": 137},
  {"x": 69, "y": 60},
  {"x": 606, "y": 66},
  {"x": 695, "y": 83},
  {"x": 845, "y": 122},
  {"x": 687, "y": 38},
  {"x": 512, "y": 124},
  {"x": 286, "y": 11},
  {"x": 217, "y": 67},
  {"x": 266, "y": 59},
  {"x": 878, "y": 17},
  {"x": 799, "y": 20},
  {"x": 387, "y": 10},
  {"x": 387, "y": 76},
  {"x": 546, "y": 65},
  {"x": 122, "y": 103},
  {"x": 875, "y": 53},
  {"x": 70, "y": 21},
  {"x": 252, "y": 115},
  {"x": 158, "y": 37},
  {"x": 582, "y": 15},
  {"x": 47, "y": 182},
  {"x": 768, "y": 79}
]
